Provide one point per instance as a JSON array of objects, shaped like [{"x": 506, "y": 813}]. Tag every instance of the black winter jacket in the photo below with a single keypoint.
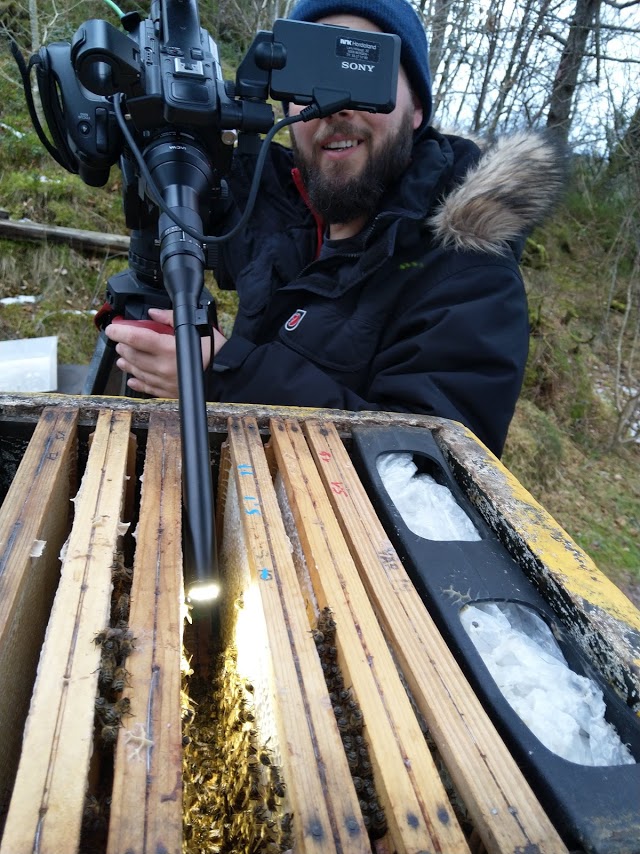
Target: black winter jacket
[{"x": 430, "y": 318}]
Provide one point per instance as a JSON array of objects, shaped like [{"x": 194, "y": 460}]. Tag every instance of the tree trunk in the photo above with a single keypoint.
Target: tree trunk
[
  {"x": 566, "y": 79},
  {"x": 493, "y": 31},
  {"x": 438, "y": 28}
]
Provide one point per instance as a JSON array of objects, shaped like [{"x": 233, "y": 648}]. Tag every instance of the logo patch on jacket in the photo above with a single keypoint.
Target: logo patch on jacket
[{"x": 295, "y": 320}]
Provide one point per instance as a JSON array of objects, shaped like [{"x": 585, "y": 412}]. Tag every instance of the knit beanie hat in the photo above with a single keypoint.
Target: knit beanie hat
[{"x": 392, "y": 16}]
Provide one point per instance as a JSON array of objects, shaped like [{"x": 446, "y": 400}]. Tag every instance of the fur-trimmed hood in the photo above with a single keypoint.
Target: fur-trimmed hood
[{"x": 512, "y": 188}]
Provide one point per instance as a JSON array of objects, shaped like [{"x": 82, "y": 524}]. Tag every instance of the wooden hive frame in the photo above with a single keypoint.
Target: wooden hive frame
[{"x": 342, "y": 560}]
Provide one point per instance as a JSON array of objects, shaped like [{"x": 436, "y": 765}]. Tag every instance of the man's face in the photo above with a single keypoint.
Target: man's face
[{"x": 348, "y": 159}]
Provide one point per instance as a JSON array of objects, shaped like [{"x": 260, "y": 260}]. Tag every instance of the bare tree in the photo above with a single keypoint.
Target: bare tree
[
  {"x": 239, "y": 20},
  {"x": 583, "y": 22},
  {"x": 499, "y": 66},
  {"x": 439, "y": 20},
  {"x": 493, "y": 34},
  {"x": 520, "y": 60}
]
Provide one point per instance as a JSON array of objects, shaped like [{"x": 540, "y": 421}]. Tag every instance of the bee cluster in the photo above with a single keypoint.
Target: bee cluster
[
  {"x": 350, "y": 723},
  {"x": 234, "y": 795},
  {"x": 116, "y": 643}
]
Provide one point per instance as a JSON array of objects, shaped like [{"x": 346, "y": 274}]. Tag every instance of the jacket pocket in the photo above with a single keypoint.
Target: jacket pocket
[{"x": 331, "y": 339}]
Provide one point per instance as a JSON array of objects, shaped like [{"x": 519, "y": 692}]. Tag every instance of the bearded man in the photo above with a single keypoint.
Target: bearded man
[{"x": 379, "y": 270}]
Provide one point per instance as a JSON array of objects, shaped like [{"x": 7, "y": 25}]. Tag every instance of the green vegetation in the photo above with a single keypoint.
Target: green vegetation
[
  {"x": 581, "y": 272},
  {"x": 564, "y": 444}
]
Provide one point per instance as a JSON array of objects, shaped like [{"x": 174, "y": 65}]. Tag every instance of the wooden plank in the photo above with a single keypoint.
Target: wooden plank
[
  {"x": 34, "y": 523},
  {"x": 46, "y": 807},
  {"x": 417, "y": 809},
  {"x": 504, "y": 809},
  {"x": 326, "y": 815},
  {"x": 146, "y": 806},
  {"x": 34, "y": 231}
]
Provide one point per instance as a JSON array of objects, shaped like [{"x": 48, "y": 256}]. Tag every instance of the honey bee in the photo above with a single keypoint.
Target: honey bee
[
  {"x": 358, "y": 783},
  {"x": 352, "y": 760},
  {"x": 274, "y": 772},
  {"x": 239, "y": 800},
  {"x": 123, "y": 706},
  {"x": 366, "y": 766},
  {"x": 109, "y": 733},
  {"x": 108, "y": 714},
  {"x": 378, "y": 823},
  {"x": 343, "y": 724},
  {"x": 370, "y": 793},
  {"x": 119, "y": 680},
  {"x": 91, "y": 807},
  {"x": 280, "y": 788},
  {"x": 254, "y": 772},
  {"x": 111, "y": 713},
  {"x": 356, "y": 718},
  {"x": 272, "y": 803},
  {"x": 101, "y": 637},
  {"x": 93, "y": 818},
  {"x": 107, "y": 668},
  {"x": 122, "y": 607},
  {"x": 115, "y": 641},
  {"x": 255, "y": 794},
  {"x": 326, "y": 623},
  {"x": 100, "y": 703},
  {"x": 336, "y": 679},
  {"x": 126, "y": 644},
  {"x": 119, "y": 571},
  {"x": 260, "y": 814}
]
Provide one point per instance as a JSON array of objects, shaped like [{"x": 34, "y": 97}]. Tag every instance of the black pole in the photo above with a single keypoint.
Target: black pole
[
  {"x": 201, "y": 559},
  {"x": 183, "y": 173}
]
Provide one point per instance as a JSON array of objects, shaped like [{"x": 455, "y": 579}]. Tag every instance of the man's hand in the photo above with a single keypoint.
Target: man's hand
[{"x": 150, "y": 357}]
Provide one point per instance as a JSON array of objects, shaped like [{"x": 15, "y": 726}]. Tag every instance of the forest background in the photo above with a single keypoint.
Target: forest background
[{"x": 570, "y": 69}]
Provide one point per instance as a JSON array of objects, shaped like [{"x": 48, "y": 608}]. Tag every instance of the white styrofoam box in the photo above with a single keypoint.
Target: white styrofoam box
[{"x": 29, "y": 364}]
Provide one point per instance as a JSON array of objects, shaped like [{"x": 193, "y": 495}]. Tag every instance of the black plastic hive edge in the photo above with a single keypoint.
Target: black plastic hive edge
[{"x": 596, "y": 809}]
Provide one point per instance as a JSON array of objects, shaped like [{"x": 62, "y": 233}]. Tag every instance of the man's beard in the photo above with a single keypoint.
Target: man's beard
[{"x": 340, "y": 200}]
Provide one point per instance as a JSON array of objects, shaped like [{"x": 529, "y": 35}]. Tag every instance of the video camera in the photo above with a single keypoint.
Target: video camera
[
  {"x": 152, "y": 97},
  {"x": 183, "y": 121},
  {"x": 168, "y": 69}
]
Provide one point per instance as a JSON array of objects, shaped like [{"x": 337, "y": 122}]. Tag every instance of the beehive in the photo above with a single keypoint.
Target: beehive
[{"x": 301, "y": 550}]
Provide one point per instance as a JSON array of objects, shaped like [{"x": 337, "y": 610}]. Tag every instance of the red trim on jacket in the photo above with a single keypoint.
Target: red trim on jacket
[{"x": 297, "y": 180}]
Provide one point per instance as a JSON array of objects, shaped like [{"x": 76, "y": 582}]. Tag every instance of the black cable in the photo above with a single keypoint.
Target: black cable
[
  {"x": 307, "y": 114},
  {"x": 26, "y": 85}
]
